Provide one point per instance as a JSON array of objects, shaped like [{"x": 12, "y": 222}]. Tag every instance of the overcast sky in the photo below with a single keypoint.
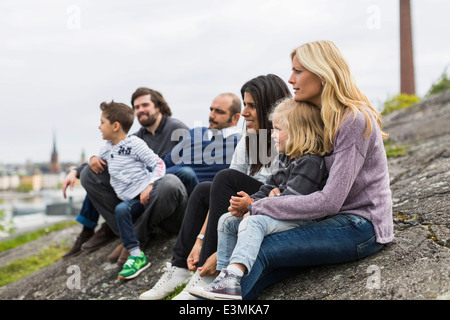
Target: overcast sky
[{"x": 60, "y": 59}]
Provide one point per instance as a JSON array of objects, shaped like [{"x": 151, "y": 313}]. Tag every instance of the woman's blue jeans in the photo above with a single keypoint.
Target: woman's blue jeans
[
  {"x": 126, "y": 213},
  {"x": 337, "y": 239}
]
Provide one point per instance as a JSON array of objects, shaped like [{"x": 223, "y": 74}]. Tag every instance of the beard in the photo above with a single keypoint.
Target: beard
[{"x": 151, "y": 119}]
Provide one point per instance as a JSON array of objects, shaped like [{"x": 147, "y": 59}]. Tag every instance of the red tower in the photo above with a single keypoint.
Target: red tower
[{"x": 407, "y": 80}]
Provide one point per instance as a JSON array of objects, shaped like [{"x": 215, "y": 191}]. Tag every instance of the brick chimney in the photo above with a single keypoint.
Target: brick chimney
[{"x": 407, "y": 81}]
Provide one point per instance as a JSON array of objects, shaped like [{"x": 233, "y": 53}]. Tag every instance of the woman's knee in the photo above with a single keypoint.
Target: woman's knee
[
  {"x": 226, "y": 175},
  {"x": 202, "y": 189}
]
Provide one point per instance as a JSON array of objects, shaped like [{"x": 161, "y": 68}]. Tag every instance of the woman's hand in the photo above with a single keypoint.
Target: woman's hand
[
  {"x": 194, "y": 256},
  {"x": 275, "y": 192},
  {"x": 209, "y": 268}
]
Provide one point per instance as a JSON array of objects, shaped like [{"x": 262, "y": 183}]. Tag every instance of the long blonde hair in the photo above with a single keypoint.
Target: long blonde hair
[
  {"x": 304, "y": 126},
  {"x": 340, "y": 93}
]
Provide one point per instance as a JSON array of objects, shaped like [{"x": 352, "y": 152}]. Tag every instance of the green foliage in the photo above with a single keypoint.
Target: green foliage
[
  {"x": 4, "y": 223},
  {"x": 394, "y": 150},
  {"x": 27, "y": 237},
  {"x": 440, "y": 85},
  {"x": 22, "y": 267},
  {"x": 400, "y": 101},
  {"x": 24, "y": 187}
]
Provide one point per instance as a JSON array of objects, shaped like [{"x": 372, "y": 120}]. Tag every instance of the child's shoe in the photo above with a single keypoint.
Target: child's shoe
[
  {"x": 134, "y": 266},
  {"x": 227, "y": 286}
]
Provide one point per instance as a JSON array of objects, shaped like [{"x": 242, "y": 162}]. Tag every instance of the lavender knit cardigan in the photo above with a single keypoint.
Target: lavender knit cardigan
[{"x": 358, "y": 183}]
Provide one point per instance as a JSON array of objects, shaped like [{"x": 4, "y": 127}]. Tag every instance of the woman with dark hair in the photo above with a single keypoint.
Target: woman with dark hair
[{"x": 197, "y": 240}]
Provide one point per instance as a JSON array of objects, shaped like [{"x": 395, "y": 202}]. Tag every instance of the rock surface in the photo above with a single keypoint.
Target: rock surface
[{"x": 416, "y": 265}]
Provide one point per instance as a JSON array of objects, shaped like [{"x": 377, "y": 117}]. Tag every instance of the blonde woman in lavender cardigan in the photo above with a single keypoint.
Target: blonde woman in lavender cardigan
[{"x": 354, "y": 208}]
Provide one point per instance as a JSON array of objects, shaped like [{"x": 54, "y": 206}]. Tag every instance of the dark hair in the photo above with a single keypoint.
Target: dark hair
[
  {"x": 235, "y": 106},
  {"x": 156, "y": 97},
  {"x": 265, "y": 91},
  {"x": 118, "y": 112}
]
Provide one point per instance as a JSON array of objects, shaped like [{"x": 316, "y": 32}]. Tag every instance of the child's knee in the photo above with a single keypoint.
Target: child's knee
[
  {"x": 121, "y": 209},
  {"x": 226, "y": 222}
]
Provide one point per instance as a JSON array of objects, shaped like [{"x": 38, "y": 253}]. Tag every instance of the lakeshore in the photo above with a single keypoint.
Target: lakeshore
[{"x": 24, "y": 212}]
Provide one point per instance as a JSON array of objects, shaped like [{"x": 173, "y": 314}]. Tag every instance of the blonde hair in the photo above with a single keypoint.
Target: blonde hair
[
  {"x": 340, "y": 93},
  {"x": 304, "y": 126}
]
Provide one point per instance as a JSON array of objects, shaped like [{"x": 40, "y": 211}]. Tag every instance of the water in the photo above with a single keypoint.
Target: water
[{"x": 27, "y": 211}]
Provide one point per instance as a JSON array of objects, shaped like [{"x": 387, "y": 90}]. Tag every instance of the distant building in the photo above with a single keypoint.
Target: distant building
[
  {"x": 8, "y": 181},
  {"x": 55, "y": 167}
]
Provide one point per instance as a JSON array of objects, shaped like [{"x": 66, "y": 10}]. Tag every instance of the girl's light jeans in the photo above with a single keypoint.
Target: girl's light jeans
[{"x": 239, "y": 239}]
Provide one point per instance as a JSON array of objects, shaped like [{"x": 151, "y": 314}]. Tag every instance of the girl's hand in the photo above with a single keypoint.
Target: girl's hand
[{"x": 240, "y": 203}]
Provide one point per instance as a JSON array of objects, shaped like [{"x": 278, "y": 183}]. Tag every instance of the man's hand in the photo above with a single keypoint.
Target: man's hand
[
  {"x": 96, "y": 164},
  {"x": 69, "y": 182}
]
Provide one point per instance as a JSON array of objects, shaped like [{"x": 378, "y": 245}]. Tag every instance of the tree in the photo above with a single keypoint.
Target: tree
[{"x": 441, "y": 85}]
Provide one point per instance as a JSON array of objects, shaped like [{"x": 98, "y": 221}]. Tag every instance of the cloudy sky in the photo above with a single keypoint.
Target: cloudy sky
[{"x": 60, "y": 59}]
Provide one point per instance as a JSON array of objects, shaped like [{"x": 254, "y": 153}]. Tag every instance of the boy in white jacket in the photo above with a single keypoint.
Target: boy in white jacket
[{"x": 128, "y": 159}]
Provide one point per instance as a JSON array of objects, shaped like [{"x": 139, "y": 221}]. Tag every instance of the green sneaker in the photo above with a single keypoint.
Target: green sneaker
[{"x": 134, "y": 266}]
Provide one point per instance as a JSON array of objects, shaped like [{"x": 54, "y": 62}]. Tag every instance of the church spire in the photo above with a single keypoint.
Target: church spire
[{"x": 54, "y": 163}]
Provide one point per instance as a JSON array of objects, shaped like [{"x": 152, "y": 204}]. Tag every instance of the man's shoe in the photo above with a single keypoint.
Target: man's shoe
[
  {"x": 227, "y": 286},
  {"x": 99, "y": 239},
  {"x": 134, "y": 266},
  {"x": 76, "y": 249},
  {"x": 113, "y": 256},
  {"x": 172, "y": 278},
  {"x": 123, "y": 256}
]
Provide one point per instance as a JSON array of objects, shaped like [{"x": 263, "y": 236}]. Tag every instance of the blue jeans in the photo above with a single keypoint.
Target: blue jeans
[
  {"x": 88, "y": 215},
  {"x": 337, "y": 239},
  {"x": 126, "y": 213},
  {"x": 239, "y": 239}
]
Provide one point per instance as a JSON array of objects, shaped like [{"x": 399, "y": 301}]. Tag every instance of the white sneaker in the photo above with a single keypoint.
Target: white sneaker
[
  {"x": 172, "y": 278},
  {"x": 196, "y": 281}
]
